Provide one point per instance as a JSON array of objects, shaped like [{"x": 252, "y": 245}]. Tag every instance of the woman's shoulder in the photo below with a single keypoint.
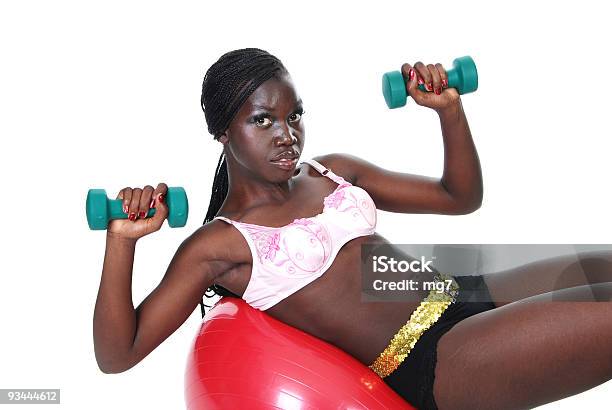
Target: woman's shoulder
[
  {"x": 324, "y": 159},
  {"x": 339, "y": 163},
  {"x": 216, "y": 242}
]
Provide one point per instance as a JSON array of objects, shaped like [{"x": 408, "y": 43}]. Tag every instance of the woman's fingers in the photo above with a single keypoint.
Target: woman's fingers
[
  {"x": 126, "y": 196},
  {"x": 433, "y": 76},
  {"x": 159, "y": 203},
  {"x": 409, "y": 75},
  {"x": 443, "y": 75},
  {"x": 134, "y": 204},
  {"x": 412, "y": 81},
  {"x": 435, "y": 79},
  {"x": 145, "y": 201},
  {"x": 161, "y": 189},
  {"x": 406, "y": 72},
  {"x": 424, "y": 73}
]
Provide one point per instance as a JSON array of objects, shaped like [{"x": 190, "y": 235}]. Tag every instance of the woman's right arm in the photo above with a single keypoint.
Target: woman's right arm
[{"x": 123, "y": 336}]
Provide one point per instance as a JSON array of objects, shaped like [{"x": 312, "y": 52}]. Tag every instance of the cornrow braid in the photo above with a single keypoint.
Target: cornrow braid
[
  {"x": 231, "y": 80},
  {"x": 226, "y": 86}
]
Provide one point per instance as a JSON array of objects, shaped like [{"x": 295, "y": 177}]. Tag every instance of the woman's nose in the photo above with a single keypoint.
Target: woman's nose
[{"x": 286, "y": 138}]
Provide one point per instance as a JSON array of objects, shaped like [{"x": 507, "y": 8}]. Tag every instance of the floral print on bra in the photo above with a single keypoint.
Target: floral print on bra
[{"x": 287, "y": 258}]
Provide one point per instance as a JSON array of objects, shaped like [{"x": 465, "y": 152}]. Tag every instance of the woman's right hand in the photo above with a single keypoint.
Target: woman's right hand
[
  {"x": 434, "y": 78},
  {"x": 136, "y": 203}
]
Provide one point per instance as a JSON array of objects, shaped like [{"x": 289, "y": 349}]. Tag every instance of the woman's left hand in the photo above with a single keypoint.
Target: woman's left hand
[{"x": 439, "y": 96}]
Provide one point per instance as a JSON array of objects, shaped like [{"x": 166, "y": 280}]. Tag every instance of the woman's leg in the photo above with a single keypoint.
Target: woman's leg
[
  {"x": 549, "y": 275},
  {"x": 528, "y": 352}
]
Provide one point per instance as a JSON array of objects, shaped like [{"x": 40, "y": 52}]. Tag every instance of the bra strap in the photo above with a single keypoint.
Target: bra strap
[
  {"x": 325, "y": 171},
  {"x": 317, "y": 165},
  {"x": 229, "y": 221}
]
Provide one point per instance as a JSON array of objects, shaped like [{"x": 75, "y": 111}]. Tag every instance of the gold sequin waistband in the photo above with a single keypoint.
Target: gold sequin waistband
[{"x": 425, "y": 315}]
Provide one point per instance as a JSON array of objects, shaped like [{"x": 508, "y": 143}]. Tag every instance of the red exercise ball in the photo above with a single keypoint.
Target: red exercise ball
[{"x": 242, "y": 358}]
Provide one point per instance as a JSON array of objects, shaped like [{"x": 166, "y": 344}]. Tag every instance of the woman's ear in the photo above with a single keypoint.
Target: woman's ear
[{"x": 223, "y": 138}]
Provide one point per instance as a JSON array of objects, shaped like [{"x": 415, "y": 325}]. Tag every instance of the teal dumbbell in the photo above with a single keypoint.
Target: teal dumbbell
[
  {"x": 463, "y": 76},
  {"x": 100, "y": 209}
]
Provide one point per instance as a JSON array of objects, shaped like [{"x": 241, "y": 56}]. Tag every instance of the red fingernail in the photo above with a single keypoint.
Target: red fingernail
[
  {"x": 152, "y": 202},
  {"x": 411, "y": 74},
  {"x": 125, "y": 209},
  {"x": 132, "y": 216},
  {"x": 421, "y": 81},
  {"x": 437, "y": 91},
  {"x": 445, "y": 83},
  {"x": 141, "y": 214},
  {"x": 161, "y": 198}
]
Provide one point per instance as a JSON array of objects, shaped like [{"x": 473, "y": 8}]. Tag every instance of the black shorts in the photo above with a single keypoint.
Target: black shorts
[{"x": 414, "y": 378}]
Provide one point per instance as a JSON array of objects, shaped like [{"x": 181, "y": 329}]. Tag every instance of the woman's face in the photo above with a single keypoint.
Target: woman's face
[{"x": 268, "y": 123}]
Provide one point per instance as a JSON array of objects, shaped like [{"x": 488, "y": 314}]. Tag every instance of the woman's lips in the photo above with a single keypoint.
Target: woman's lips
[{"x": 285, "y": 163}]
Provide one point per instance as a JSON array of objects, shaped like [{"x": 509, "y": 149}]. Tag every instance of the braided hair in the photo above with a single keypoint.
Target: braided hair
[{"x": 226, "y": 86}]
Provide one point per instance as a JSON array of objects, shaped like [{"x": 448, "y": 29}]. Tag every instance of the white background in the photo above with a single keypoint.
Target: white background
[{"x": 106, "y": 95}]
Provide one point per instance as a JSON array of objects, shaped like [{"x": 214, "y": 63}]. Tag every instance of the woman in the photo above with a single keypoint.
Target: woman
[{"x": 287, "y": 238}]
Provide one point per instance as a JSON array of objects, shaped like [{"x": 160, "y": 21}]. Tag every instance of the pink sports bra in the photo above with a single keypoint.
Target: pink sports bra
[{"x": 287, "y": 258}]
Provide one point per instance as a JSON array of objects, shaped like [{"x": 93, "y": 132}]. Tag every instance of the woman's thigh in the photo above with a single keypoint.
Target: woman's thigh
[
  {"x": 527, "y": 353},
  {"x": 548, "y": 275}
]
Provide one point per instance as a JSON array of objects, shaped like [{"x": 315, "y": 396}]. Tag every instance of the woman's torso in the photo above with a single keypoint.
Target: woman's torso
[{"x": 330, "y": 307}]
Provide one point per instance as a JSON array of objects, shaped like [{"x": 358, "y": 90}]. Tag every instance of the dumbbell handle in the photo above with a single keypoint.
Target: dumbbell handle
[
  {"x": 453, "y": 80},
  {"x": 115, "y": 210}
]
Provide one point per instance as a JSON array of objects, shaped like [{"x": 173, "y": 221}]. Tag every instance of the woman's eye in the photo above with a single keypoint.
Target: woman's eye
[
  {"x": 262, "y": 121},
  {"x": 295, "y": 117}
]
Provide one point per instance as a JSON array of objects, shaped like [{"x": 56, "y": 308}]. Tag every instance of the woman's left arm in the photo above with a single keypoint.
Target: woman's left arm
[
  {"x": 462, "y": 176},
  {"x": 458, "y": 191}
]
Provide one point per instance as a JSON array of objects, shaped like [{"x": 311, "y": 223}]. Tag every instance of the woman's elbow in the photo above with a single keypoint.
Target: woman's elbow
[
  {"x": 470, "y": 207},
  {"x": 110, "y": 369},
  {"x": 106, "y": 369},
  {"x": 464, "y": 207},
  {"x": 114, "y": 366}
]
